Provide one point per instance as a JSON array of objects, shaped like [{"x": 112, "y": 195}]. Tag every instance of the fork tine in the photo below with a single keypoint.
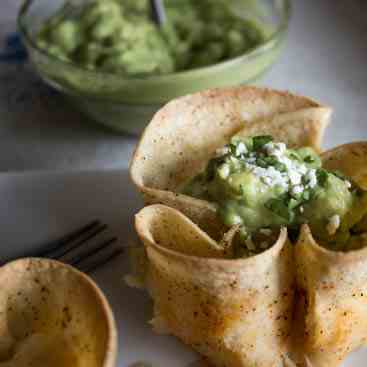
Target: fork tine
[
  {"x": 93, "y": 251},
  {"x": 89, "y": 267},
  {"x": 62, "y": 251},
  {"x": 52, "y": 246}
]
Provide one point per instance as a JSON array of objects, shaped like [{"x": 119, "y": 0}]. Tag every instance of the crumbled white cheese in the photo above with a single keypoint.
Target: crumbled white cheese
[
  {"x": 251, "y": 160},
  {"x": 333, "y": 225},
  {"x": 296, "y": 190},
  {"x": 311, "y": 178},
  {"x": 301, "y": 209},
  {"x": 265, "y": 231},
  {"x": 270, "y": 176},
  {"x": 275, "y": 149},
  {"x": 241, "y": 149},
  {"x": 290, "y": 178},
  {"x": 295, "y": 177},
  {"x": 348, "y": 184}
]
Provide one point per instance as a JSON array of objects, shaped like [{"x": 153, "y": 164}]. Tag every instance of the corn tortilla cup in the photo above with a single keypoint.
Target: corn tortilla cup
[
  {"x": 188, "y": 273},
  {"x": 183, "y": 136},
  {"x": 235, "y": 312},
  {"x": 334, "y": 284},
  {"x": 53, "y": 315}
]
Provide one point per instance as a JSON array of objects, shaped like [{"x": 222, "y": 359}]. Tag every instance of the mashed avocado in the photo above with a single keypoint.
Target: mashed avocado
[
  {"x": 119, "y": 35},
  {"x": 261, "y": 185}
]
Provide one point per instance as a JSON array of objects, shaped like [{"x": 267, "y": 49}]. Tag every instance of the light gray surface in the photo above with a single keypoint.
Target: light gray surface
[
  {"x": 325, "y": 58},
  {"x": 38, "y": 207}
]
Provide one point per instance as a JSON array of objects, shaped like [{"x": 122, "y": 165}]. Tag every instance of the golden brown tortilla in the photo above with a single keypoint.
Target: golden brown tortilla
[
  {"x": 183, "y": 136},
  {"x": 350, "y": 159},
  {"x": 235, "y": 312},
  {"x": 334, "y": 285},
  {"x": 220, "y": 306},
  {"x": 53, "y": 315}
]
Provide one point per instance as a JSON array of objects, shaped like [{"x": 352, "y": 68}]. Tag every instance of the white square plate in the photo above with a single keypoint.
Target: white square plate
[{"x": 36, "y": 207}]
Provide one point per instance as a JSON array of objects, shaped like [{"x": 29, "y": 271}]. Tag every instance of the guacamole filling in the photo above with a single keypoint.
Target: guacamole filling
[
  {"x": 120, "y": 36},
  {"x": 261, "y": 185}
]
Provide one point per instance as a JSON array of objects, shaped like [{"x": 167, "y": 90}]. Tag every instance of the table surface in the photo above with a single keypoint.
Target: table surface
[{"x": 325, "y": 58}]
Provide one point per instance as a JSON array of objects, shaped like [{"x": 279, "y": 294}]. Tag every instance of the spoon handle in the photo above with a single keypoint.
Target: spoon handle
[{"x": 158, "y": 12}]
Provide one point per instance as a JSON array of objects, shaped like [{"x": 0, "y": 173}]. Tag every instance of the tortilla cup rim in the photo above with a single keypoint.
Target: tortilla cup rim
[
  {"x": 336, "y": 256},
  {"x": 229, "y": 91},
  {"x": 238, "y": 262},
  {"x": 110, "y": 357},
  {"x": 343, "y": 146}
]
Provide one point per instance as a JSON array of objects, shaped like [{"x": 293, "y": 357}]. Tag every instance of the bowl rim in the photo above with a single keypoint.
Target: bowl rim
[{"x": 262, "y": 47}]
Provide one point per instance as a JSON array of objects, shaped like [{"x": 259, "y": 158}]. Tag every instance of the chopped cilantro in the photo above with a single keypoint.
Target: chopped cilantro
[
  {"x": 259, "y": 141},
  {"x": 233, "y": 147},
  {"x": 309, "y": 159},
  {"x": 262, "y": 163},
  {"x": 281, "y": 167},
  {"x": 280, "y": 208},
  {"x": 322, "y": 176}
]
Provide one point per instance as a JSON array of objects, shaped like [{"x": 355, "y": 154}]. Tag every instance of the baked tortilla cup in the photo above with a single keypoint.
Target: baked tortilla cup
[
  {"x": 237, "y": 313},
  {"x": 183, "y": 136},
  {"x": 53, "y": 315},
  {"x": 334, "y": 284}
]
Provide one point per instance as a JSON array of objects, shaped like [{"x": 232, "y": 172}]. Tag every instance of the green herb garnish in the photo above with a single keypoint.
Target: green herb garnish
[
  {"x": 259, "y": 141},
  {"x": 322, "y": 176}
]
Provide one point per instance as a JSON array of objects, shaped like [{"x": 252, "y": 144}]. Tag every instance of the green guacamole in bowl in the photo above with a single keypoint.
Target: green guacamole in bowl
[
  {"x": 115, "y": 64},
  {"x": 121, "y": 37}
]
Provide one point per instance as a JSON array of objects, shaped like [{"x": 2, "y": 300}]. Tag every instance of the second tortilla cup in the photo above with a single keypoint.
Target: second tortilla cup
[{"x": 237, "y": 313}]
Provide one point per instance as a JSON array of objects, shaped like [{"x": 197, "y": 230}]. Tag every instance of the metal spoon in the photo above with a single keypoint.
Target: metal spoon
[{"x": 158, "y": 12}]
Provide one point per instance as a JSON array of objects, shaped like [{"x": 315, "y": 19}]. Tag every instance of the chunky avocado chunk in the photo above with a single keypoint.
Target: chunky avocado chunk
[
  {"x": 262, "y": 185},
  {"x": 120, "y": 36}
]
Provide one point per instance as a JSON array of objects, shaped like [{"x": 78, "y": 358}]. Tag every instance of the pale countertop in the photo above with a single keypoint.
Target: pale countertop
[{"x": 325, "y": 58}]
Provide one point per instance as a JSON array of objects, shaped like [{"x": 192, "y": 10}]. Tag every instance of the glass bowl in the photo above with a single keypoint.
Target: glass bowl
[{"x": 128, "y": 104}]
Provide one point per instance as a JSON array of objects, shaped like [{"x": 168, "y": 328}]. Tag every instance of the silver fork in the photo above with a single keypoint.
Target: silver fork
[{"x": 85, "y": 248}]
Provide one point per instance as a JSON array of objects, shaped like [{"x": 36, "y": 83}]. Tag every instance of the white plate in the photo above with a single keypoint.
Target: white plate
[{"x": 40, "y": 206}]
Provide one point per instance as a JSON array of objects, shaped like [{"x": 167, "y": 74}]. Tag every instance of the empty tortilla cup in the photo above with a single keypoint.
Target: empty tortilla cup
[
  {"x": 237, "y": 313},
  {"x": 53, "y": 315},
  {"x": 183, "y": 136}
]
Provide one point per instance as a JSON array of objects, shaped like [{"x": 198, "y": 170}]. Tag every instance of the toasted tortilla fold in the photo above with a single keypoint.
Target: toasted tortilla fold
[
  {"x": 350, "y": 159},
  {"x": 334, "y": 285},
  {"x": 53, "y": 315},
  {"x": 237, "y": 313},
  {"x": 183, "y": 136}
]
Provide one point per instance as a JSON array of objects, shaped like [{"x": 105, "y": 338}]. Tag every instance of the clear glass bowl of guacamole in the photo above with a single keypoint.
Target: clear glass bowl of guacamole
[{"x": 112, "y": 62}]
